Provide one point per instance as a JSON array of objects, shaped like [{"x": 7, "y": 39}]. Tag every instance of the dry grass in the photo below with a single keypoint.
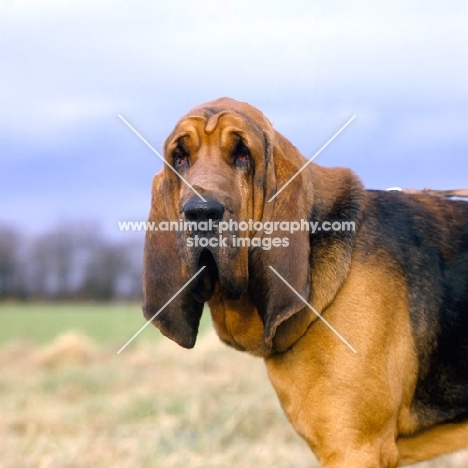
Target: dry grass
[{"x": 73, "y": 404}]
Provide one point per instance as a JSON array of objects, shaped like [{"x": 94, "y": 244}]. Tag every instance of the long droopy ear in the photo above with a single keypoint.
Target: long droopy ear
[
  {"x": 274, "y": 300},
  {"x": 314, "y": 264},
  {"x": 165, "y": 273}
]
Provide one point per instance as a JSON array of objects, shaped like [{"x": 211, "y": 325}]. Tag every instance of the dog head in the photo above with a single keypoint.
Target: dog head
[{"x": 224, "y": 166}]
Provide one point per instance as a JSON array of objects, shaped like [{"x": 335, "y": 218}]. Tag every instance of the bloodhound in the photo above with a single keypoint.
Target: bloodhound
[{"x": 395, "y": 287}]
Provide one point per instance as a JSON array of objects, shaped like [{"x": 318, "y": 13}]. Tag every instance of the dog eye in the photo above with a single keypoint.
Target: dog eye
[
  {"x": 181, "y": 158},
  {"x": 241, "y": 154}
]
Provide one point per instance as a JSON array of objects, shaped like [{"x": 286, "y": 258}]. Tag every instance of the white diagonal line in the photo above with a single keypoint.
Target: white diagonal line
[
  {"x": 314, "y": 311},
  {"x": 161, "y": 309},
  {"x": 160, "y": 157},
  {"x": 312, "y": 158}
]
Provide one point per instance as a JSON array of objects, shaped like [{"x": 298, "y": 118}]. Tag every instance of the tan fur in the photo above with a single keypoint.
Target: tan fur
[
  {"x": 238, "y": 324},
  {"x": 432, "y": 443},
  {"x": 354, "y": 410},
  {"x": 339, "y": 396}
]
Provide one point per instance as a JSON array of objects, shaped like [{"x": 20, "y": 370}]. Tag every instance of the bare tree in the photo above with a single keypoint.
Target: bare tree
[
  {"x": 58, "y": 259},
  {"x": 9, "y": 262},
  {"x": 70, "y": 261},
  {"x": 103, "y": 273}
]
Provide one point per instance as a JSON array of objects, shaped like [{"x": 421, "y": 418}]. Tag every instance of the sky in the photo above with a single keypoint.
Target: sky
[{"x": 67, "y": 69}]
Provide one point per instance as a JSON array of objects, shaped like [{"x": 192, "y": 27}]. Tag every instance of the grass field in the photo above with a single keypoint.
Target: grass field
[
  {"x": 105, "y": 323},
  {"x": 68, "y": 400},
  {"x": 41, "y": 323}
]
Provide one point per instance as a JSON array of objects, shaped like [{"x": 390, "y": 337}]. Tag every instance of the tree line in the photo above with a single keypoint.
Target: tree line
[{"x": 70, "y": 261}]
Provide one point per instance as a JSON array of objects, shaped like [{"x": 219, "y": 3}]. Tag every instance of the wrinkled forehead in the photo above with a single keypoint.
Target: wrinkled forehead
[{"x": 204, "y": 121}]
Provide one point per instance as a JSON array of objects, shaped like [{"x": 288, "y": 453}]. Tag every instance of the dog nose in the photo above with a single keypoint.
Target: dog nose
[{"x": 196, "y": 210}]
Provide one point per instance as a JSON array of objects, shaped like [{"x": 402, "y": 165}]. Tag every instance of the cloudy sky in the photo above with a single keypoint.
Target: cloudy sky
[{"x": 67, "y": 69}]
